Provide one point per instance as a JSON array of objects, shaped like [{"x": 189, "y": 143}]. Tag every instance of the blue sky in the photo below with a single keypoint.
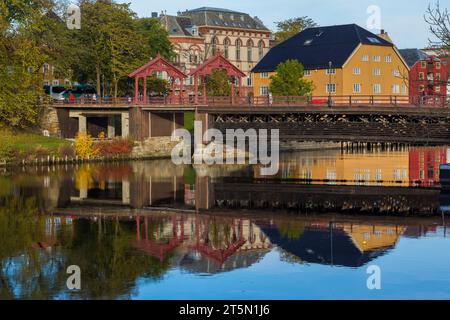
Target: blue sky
[{"x": 402, "y": 19}]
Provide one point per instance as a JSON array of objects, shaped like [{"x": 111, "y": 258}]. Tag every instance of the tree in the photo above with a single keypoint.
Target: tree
[
  {"x": 25, "y": 30},
  {"x": 289, "y": 81},
  {"x": 218, "y": 84},
  {"x": 438, "y": 20},
  {"x": 156, "y": 37},
  {"x": 290, "y": 27}
]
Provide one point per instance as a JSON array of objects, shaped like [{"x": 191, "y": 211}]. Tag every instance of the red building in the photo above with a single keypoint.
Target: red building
[
  {"x": 427, "y": 76},
  {"x": 424, "y": 165}
]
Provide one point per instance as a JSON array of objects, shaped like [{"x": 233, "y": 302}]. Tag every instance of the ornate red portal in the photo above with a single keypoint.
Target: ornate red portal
[
  {"x": 157, "y": 65},
  {"x": 217, "y": 62}
]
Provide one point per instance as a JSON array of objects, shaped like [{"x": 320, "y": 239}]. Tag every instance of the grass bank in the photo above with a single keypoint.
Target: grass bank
[{"x": 25, "y": 145}]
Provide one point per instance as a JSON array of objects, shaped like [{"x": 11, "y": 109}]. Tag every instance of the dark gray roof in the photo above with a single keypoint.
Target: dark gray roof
[
  {"x": 177, "y": 25},
  {"x": 206, "y": 16},
  {"x": 316, "y": 47},
  {"x": 411, "y": 56}
]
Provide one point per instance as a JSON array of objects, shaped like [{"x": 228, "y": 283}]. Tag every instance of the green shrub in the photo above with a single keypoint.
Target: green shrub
[{"x": 6, "y": 150}]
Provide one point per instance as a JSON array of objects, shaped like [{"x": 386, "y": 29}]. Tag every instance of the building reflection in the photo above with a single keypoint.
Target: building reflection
[
  {"x": 404, "y": 167},
  {"x": 331, "y": 243},
  {"x": 202, "y": 243}
]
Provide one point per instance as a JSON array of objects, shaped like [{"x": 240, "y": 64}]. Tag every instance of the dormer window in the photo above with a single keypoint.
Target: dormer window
[{"x": 232, "y": 17}]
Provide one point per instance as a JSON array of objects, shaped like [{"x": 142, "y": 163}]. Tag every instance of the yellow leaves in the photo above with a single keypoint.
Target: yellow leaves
[{"x": 84, "y": 146}]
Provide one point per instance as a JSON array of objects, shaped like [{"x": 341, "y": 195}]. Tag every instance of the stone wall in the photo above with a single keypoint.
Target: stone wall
[
  {"x": 50, "y": 121},
  {"x": 157, "y": 147}
]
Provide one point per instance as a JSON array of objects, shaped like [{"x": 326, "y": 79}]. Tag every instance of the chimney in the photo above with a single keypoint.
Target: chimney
[{"x": 383, "y": 34}]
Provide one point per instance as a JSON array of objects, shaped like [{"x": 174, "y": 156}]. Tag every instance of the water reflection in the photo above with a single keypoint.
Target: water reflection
[{"x": 136, "y": 229}]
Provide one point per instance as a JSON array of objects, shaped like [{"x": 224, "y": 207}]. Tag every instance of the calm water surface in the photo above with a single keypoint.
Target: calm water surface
[{"x": 152, "y": 230}]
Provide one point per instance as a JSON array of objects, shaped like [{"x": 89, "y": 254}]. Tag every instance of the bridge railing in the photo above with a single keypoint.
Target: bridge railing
[{"x": 265, "y": 101}]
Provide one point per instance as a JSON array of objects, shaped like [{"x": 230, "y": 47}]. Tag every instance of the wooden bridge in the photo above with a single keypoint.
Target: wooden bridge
[{"x": 342, "y": 118}]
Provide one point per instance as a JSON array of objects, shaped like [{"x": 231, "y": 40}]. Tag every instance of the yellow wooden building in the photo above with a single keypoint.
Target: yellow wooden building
[{"x": 344, "y": 60}]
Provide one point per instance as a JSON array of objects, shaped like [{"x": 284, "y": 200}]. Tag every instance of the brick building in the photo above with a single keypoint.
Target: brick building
[
  {"x": 427, "y": 75},
  {"x": 200, "y": 33}
]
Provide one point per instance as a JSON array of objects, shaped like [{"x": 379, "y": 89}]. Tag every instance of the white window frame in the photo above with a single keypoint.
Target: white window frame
[
  {"x": 264, "y": 90},
  {"x": 396, "y": 89},
  {"x": 388, "y": 59},
  {"x": 377, "y": 58},
  {"x": 377, "y": 72},
  {"x": 307, "y": 73},
  {"x": 357, "y": 71},
  {"x": 264, "y": 75},
  {"x": 331, "y": 86},
  {"x": 357, "y": 88},
  {"x": 365, "y": 58},
  {"x": 331, "y": 71},
  {"x": 377, "y": 88}
]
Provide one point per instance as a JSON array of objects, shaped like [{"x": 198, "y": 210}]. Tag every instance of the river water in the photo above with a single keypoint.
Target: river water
[{"x": 153, "y": 230}]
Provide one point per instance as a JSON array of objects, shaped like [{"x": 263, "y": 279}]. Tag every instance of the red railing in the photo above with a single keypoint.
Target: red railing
[{"x": 267, "y": 101}]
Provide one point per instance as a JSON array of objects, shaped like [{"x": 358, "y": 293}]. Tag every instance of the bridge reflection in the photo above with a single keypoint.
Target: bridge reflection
[{"x": 373, "y": 183}]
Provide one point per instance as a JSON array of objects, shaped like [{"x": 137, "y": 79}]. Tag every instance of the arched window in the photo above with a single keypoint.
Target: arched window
[
  {"x": 260, "y": 49},
  {"x": 214, "y": 46},
  {"x": 226, "y": 47},
  {"x": 249, "y": 50},
  {"x": 238, "y": 49}
]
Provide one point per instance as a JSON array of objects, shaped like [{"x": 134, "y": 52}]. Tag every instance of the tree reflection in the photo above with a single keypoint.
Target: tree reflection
[{"x": 34, "y": 255}]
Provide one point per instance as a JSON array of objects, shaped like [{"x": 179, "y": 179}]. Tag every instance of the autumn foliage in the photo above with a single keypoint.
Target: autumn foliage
[{"x": 114, "y": 147}]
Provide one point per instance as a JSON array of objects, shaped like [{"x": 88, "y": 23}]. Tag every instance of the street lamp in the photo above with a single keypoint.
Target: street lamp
[{"x": 329, "y": 84}]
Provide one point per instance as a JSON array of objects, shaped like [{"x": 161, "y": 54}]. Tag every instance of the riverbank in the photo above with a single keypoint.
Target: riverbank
[{"x": 16, "y": 147}]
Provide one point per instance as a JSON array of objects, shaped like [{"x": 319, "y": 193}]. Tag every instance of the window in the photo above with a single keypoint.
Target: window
[
  {"x": 264, "y": 75},
  {"x": 421, "y": 88},
  {"x": 377, "y": 72},
  {"x": 249, "y": 50},
  {"x": 214, "y": 46},
  {"x": 55, "y": 82},
  {"x": 404, "y": 88},
  {"x": 357, "y": 71},
  {"x": 226, "y": 48},
  {"x": 423, "y": 64},
  {"x": 67, "y": 82},
  {"x": 365, "y": 57},
  {"x": 421, "y": 76},
  {"x": 377, "y": 88},
  {"x": 437, "y": 89},
  {"x": 388, "y": 59},
  {"x": 357, "y": 88},
  {"x": 264, "y": 91},
  {"x": 260, "y": 49},
  {"x": 331, "y": 71},
  {"x": 438, "y": 76},
  {"x": 238, "y": 49},
  {"x": 373, "y": 40},
  {"x": 438, "y": 65},
  {"x": 376, "y": 58},
  {"x": 307, "y": 72},
  {"x": 46, "y": 68},
  {"x": 249, "y": 81},
  {"x": 396, "y": 73},
  {"x": 331, "y": 88},
  {"x": 396, "y": 88}
]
